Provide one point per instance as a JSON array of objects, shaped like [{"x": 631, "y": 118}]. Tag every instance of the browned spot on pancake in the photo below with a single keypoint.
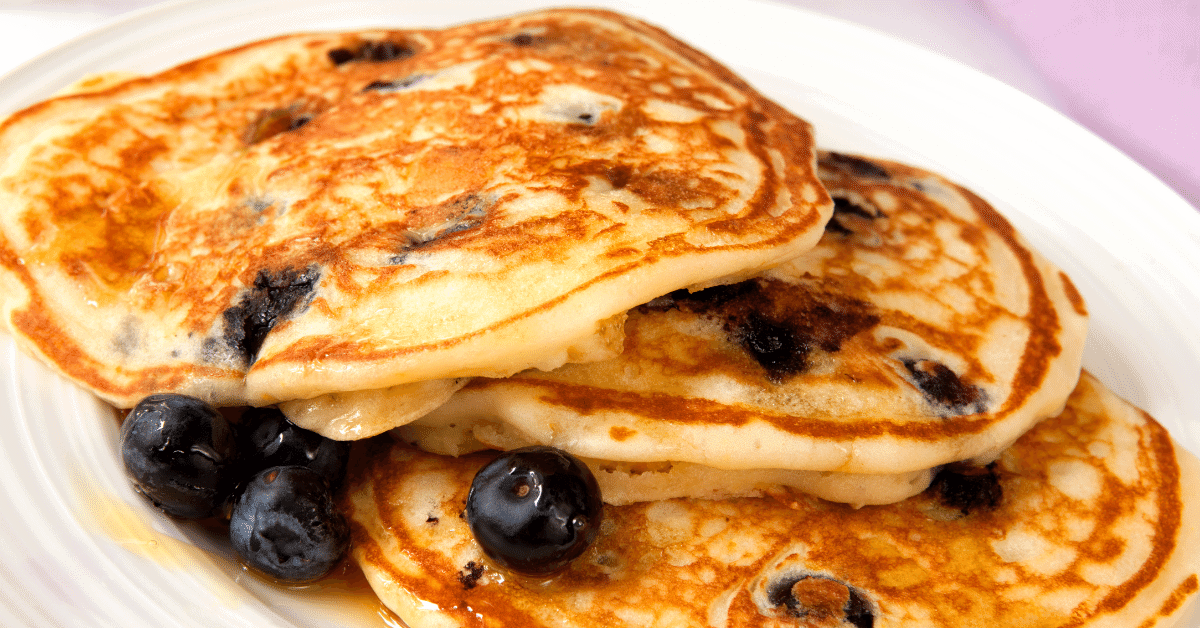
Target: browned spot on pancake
[
  {"x": 1073, "y": 294},
  {"x": 1105, "y": 550},
  {"x": 619, "y": 433},
  {"x": 672, "y": 188},
  {"x": 625, "y": 252},
  {"x": 1175, "y": 600},
  {"x": 470, "y": 574}
]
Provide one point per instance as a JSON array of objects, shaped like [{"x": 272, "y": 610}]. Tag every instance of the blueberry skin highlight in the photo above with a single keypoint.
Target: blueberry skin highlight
[
  {"x": 269, "y": 439},
  {"x": 285, "y": 524},
  {"x": 181, "y": 453},
  {"x": 535, "y": 509}
]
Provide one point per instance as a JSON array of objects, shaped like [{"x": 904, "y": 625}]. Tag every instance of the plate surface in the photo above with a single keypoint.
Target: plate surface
[{"x": 79, "y": 548}]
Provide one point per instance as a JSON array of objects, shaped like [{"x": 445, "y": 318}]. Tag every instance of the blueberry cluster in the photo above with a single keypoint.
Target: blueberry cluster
[{"x": 274, "y": 479}]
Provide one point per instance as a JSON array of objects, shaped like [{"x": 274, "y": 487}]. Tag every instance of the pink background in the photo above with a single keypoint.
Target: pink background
[{"x": 1127, "y": 69}]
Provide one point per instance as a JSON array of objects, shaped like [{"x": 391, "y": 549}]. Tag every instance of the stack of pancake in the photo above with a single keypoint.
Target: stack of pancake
[{"x": 816, "y": 389}]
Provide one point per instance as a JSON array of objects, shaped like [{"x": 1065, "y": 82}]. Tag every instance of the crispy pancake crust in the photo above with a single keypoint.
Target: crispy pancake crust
[
  {"x": 921, "y": 330},
  {"x": 1084, "y": 522},
  {"x": 339, "y": 212}
]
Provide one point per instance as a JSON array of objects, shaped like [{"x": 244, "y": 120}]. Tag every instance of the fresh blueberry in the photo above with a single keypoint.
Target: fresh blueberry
[
  {"x": 181, "y": 453},
  {"x": 270, "y": 440},
  {"x": 534, "y": 509},
  {"x": 285, "y": 525}
]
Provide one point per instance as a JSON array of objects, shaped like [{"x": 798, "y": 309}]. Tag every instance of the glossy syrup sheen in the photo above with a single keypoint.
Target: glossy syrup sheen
[{"x": 344, "y": 595}]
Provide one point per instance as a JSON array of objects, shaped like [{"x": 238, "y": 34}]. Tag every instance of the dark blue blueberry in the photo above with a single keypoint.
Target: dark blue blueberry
[
  {"x": 534, "y": 509},
  {"x": 780, "y": 347},
  {"x": 968, "y": 488},
  {"x": 273, "y": 298},
  {"x": 944, "y": 389},
  {"x": 395, "y": 85},
  {"x": 285, "y": 525},
  {"x": 340, "y": 55},
  {"x": 380, "y": 51},
  {"x": 181, "y": 453},
  {"x": 523, "y": 39},
  {"x": 856, "y": 166},
  {"x": 270, "y": 440},
  {"x": 843, "y": 208},
  {"x": 371, "y": 51}
]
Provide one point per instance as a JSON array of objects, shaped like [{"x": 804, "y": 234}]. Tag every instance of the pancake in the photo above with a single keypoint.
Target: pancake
[
  {"x": 352, "y": 415},
  {"x": 333, "y": 213},
  {"x": 1090, "y": 520},
  {"x": 921, "y": 330},
  {"x": 632, "y": 482}
]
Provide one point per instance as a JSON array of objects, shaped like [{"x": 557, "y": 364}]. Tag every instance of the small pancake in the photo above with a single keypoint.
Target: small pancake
[
  {"x": 327, "y": 213},
  {"x": 921, "y": 330},
  {"x": 1084, "y": 522}
]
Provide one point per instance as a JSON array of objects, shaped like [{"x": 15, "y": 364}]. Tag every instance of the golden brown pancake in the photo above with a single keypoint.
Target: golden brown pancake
[
  {"x": 329, "y": 213},
  {"x": 1090, "y": 520},
  {"x": 921, "y": 330}
]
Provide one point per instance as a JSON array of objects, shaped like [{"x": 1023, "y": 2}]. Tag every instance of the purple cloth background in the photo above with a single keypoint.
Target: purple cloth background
[{"x": 1127, "y": 69}]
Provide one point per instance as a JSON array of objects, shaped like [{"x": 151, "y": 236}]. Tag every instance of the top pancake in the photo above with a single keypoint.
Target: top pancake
[
  {"x": 340, "y": 212},
  {"x": 921, "y": 330}
]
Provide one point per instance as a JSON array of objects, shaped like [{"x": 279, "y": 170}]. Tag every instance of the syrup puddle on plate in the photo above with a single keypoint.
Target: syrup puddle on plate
[{"x": 344, "y": 596}]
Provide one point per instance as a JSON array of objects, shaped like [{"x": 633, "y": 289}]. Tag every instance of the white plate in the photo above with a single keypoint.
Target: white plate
[{"x": 79, "y": 548}]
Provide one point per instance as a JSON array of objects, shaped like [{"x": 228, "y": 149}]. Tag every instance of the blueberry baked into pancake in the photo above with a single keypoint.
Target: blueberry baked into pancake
[
  {"x": 1090, "y": 519},
  {"x": 365, "y": 219},
  {"x": 921, "y": 330}
]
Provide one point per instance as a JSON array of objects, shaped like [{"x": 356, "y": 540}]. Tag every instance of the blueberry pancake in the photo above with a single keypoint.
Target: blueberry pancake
[
  {"x": 388, "y": 211},
  {"x": 921, "y": 330},
  {"x": 1089, "y": 520}
]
